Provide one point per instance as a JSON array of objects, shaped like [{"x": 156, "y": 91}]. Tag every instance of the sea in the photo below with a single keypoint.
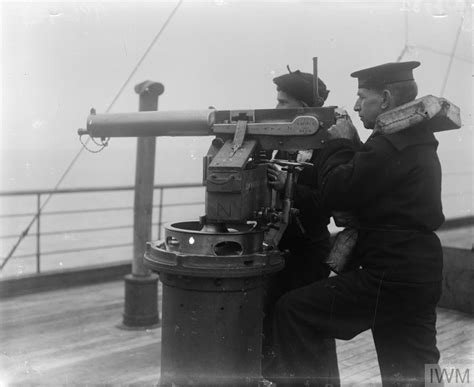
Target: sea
[{"x": 66, "y": 219}]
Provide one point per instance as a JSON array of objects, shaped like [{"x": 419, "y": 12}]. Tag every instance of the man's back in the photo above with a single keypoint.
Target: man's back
[
  {"x": 409, "y": 189},
  {"x": 393, "y": 187}
]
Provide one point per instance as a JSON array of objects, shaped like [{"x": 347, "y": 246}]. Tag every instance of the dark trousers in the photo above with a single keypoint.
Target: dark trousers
[
  {"x": 300, "y": 270},
  {"x": 401, "y": 316}
]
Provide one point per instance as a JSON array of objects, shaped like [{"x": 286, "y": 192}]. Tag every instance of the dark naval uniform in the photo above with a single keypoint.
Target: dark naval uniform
[
  {"x": 307, "y": 247},
  {"x": 393, "y": 185},
  {"x": 304, "y": 265},
  {"x": 308, "y": 244}
]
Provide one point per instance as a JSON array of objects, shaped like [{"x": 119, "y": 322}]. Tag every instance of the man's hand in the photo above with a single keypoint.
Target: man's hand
[
  {"x": 343, "y": 127},
  {"x": 345, "y": 219},
  {"x": 276, "y": 177}
]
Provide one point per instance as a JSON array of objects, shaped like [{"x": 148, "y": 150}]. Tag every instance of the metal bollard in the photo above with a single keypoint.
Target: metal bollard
[{"x": 141, "y": 286}]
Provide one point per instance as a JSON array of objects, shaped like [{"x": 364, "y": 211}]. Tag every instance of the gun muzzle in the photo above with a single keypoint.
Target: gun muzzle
[{"x": 150, "y": 124}]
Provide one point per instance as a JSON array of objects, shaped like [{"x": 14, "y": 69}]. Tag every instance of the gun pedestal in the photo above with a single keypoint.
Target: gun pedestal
[
  {"x": 213, "y": 271},
  {"x": 212, "y": 303}
]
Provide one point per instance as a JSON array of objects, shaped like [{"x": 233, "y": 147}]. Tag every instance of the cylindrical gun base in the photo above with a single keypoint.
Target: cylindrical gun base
[
  {"x": 212, "y": 304},
  {"x": 211, "y": 336}
]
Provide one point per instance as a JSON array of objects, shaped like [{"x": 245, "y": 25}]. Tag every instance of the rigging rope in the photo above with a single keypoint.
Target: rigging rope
[
  {"x": 76, "y": 157},
  {"x": 445, "y": 81},
  {"x": 408, "y": 47},
  {"x": 405, "y": 47}
]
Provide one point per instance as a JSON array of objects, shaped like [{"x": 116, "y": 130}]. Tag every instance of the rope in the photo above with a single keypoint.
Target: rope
[
  {"x": 445, "y": 81},
  {"x": 145, "y": 54},
  {"x": 76, "y": 157},
  {"x": 408, "y": 47},
  {"x": 27, "y": 229},
  {"x": 439, "y": 52},
  {"x": 405, "y": 47}
]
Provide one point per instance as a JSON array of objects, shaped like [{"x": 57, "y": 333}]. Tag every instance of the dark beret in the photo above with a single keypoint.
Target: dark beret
[
  {"x": 300, "y": 86},
  {"x": 385, "y": 74}
]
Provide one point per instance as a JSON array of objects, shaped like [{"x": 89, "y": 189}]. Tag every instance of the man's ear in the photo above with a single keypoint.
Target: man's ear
[{"x": 387, "y": 99}]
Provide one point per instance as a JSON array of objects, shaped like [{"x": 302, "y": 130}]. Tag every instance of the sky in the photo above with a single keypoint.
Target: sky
[{"x": 60, "y": 59}]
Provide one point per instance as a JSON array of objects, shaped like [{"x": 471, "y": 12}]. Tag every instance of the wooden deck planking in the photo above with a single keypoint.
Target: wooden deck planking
[
  {"x": 71, "y": 336},
  {"x": 103, "y": 367}
]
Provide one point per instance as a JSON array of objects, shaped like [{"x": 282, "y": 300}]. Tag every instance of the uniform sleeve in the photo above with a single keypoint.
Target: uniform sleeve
[
  {"x": 349, "y": 177},
  {"x": 307, "y": 199}
]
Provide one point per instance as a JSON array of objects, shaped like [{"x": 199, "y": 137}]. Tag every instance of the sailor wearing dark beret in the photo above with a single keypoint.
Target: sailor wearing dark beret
[
  {"x": 305, "y": 251},
  {"x": 392, "y": 184},
  {"x": 296, "y": 89}
]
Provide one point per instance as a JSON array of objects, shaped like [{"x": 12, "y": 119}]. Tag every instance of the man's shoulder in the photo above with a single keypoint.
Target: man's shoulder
[{"x": 409, "y": 137}]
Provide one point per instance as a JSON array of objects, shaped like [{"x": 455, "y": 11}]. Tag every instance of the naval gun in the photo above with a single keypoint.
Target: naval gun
[
  {"x": 235, "y": 167},
  {"x": 213, "y": 269}
]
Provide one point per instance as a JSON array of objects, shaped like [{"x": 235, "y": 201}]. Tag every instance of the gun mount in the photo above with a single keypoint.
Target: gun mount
[
  {"x": 213, "y": 270},
  {"x": 235, "y": 165}
]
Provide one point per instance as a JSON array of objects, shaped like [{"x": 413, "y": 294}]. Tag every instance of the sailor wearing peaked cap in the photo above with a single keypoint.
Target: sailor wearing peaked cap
[
  {"x": 382, "y": 88},
  {"x": 299, "y": 85},
  {"x": 392, "y": 184},
  {"x": 385, "y": 74}
]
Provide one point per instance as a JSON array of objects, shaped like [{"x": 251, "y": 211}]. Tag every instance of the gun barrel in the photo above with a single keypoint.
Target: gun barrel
[{"x": 152, "y": 124}]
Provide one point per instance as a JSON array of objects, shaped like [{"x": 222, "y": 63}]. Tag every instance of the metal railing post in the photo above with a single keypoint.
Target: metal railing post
[
  {"x": 38, "y": 233},
  {"x": 141, "y": 286}
]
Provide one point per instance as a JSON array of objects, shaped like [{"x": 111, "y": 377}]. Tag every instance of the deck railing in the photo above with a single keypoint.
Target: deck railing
[{"x": 159, "y": 204}]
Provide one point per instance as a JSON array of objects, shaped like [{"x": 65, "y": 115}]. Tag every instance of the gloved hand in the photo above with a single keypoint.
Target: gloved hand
[
  {"x": 344, "y": 128},
  {"x": 276, "y": 177}
]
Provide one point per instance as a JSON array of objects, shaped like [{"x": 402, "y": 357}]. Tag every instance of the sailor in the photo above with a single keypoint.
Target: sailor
[
  {"x": 308, "y": 246},
  {"x": 295, "y": 89},
  {"x": 392, "y": 184}
]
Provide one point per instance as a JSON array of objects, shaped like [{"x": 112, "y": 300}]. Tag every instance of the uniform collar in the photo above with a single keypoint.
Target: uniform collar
[{"x": 415, "y": 135}]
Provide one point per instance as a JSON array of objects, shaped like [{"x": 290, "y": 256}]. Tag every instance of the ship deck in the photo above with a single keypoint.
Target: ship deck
[{"x": 72, "y": 336}]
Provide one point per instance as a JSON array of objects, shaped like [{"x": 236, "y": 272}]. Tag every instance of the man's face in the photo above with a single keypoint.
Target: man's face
[
  {"x": 286, "y": 101},
  {"x": 368, "y": 105}
]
